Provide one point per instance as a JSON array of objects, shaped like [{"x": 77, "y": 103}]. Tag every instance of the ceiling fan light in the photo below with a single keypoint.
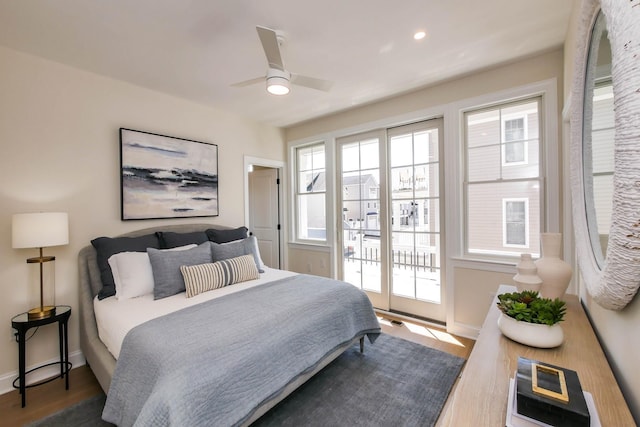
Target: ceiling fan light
[{"x": 277, "y": 85}]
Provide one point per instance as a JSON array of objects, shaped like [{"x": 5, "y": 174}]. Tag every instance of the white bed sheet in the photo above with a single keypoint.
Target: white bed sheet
[{"x": 115, "y": 318}]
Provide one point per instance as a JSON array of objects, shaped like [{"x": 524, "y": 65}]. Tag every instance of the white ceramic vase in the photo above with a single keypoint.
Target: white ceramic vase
[
  {"x": 554, "y": 272},
  {"x": 531, "y": 334},
  {"x": 527, "y": 278}
]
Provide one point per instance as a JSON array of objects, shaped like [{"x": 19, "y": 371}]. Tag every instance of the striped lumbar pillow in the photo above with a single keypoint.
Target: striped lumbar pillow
[{"x": 206, "y": 277}]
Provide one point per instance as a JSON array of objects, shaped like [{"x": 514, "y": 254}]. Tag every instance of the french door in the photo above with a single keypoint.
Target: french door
[
  {"x": 361, "y": 178},
  {"x": 390, "y": 184}
]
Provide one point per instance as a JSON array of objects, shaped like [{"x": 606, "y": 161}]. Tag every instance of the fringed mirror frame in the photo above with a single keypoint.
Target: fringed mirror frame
[{"x": 615, "y": 284}]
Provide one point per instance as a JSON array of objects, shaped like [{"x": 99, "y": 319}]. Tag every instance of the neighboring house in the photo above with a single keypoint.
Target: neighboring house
[
  {"x": 361, "y": 214},
  {"x": 602, "y": 136},
  {"x": 313, "y": 208},
  {"x": 503, "y": 167}
]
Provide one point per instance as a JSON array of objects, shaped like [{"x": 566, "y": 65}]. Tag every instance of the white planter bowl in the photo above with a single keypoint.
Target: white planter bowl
[{"x": 531, "y": 334}]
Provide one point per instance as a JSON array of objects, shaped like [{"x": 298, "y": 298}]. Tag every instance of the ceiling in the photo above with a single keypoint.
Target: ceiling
[{"x": 196, "y": 49}]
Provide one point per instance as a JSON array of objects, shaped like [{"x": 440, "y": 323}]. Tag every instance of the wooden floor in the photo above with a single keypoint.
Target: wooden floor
[
  {"x": 52, "y": 397},
  {"x": 426, "y": 334},
  {"x": 48, "y": 398}
]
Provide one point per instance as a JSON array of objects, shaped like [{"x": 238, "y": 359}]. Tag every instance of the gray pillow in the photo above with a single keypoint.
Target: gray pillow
[
  {"x": 248, "y": 246},
  {"x": 224, "y": 236},
  {"x": 169, "y": 240},
  {"x": 107, "y": 246},
  {"x": 167, "y": 278}
]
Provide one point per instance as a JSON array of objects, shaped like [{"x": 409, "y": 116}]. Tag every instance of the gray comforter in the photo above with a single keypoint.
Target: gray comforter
[{"x": 216, "y": 362}]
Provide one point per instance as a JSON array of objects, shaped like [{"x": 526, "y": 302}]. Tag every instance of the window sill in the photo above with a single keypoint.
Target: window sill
[
  {"x": 310, "y": 246},
  {"x": 502, "y": 266}
]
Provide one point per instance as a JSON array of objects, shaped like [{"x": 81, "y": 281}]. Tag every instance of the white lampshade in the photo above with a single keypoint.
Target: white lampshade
[{"x": 40, "y": 230}]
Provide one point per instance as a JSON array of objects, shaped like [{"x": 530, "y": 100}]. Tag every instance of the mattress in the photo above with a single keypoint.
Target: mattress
[{"x": 115, "y": 318}]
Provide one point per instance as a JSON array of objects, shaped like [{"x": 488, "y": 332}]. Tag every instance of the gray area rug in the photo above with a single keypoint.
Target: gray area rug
[
  {"x": 394, "y": 383},
  {"x": 86, "y": 413}
]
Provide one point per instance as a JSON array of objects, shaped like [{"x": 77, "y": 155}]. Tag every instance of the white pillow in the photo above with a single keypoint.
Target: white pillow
[{"x": 132, "y": 272}]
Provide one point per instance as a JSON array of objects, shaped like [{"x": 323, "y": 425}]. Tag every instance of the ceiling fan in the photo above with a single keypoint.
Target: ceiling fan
[{"x": 278, "y": 78}]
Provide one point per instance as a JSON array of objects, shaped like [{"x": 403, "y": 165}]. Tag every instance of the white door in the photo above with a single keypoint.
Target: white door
[{"x": 263, "y": 213}]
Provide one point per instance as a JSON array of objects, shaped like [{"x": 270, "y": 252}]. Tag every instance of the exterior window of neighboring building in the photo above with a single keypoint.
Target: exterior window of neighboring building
[
  {"x": 515, "y": 222},
  {"x": 310, "y": 193},
  {"x": 503, "y": 193},
  {"x": 514, "y": 143},
  {"x": 602, "y": 137}
]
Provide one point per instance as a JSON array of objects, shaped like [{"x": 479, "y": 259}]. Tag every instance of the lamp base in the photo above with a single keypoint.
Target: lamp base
[{"x": 41, "y": 312}]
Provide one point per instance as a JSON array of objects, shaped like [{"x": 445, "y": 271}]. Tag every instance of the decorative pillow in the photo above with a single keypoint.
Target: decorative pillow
[
  {"x": 107, "y": 246},
  {"x": 224, "y": 236},
  {"x": 167, "y": 278},
  {"x": 248, "y": 246},
  {"x": 132, "y": 272},
  {"x": 170, "y": 239},
  {"x": 252, "y": 244},
  {"x": 206, "y": 277}
]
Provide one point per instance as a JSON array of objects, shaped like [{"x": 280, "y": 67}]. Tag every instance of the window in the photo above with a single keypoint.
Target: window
[
  {"x": 515, "y": 222},
  {"x": 602, "y": 136},
  {"x": 503, "y": 192},
  {"x": 514, "y": 141},
  {"x": 310, "y": 193}
]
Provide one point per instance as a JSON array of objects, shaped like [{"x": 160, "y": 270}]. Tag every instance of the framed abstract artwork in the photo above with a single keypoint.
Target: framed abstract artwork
[{"x": 166, "y": 177}]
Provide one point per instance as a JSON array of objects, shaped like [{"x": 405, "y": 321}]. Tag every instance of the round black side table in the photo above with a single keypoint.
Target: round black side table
[{"x": 21, "y": 323}]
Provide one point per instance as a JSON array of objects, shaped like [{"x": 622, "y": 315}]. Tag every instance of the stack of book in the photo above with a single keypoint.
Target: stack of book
[{"x": 546, "y": 395}]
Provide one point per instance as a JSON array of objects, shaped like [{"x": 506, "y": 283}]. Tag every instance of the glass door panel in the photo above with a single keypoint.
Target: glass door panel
[
  {"x": 361, "y": 221},
  {"x": 414, "y": 171}
]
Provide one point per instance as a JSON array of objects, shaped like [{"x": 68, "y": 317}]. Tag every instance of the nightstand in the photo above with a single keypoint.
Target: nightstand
[{"x": 21, "y": 323}]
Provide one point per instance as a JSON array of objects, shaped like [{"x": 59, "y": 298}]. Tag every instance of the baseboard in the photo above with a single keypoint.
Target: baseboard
[
  {"x": 6, "y": 380},
  {"x": 402, "y": 316},
  {"x": 459, "y": 329},
  {"x": 463, "y": 330}
]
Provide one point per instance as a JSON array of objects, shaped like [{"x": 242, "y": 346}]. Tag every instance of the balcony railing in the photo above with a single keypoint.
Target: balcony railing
[{"x": 425, "y": 261}]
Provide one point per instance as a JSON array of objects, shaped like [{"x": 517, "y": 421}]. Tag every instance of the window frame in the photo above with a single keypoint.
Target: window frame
[
  {"x": 297, "y": 193},
  {"x": 543, "y": 160}
]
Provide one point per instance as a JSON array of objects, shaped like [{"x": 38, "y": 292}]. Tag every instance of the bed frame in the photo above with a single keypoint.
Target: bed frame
[{"x": 98, "y": 357}]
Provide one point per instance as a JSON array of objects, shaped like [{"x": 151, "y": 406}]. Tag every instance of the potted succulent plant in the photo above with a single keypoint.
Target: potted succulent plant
[{"x": 530, "y": 319}]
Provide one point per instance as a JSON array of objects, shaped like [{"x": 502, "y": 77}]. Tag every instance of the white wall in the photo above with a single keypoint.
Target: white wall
[
  {"x": 310, "y": 260},
  {"x": 60, "y": 152},
  {"x": 533, "y": 69}
]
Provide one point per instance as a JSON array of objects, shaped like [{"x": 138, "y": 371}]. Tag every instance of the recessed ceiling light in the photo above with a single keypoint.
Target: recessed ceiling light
[{"x": 419, "y": 35}]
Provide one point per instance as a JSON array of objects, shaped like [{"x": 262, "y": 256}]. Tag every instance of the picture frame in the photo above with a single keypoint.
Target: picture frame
[{"x": 166, "y": 177}]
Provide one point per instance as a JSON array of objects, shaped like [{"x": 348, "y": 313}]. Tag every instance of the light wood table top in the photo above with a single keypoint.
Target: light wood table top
[{"x": 480, "y": 396}]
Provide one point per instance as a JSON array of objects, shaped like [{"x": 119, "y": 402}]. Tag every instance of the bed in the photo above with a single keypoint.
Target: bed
[{"x": 279, "y": 343}]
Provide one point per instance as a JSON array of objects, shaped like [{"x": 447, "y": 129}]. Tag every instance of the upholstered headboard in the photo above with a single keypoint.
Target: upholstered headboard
[{"x": 96, "y": 354}]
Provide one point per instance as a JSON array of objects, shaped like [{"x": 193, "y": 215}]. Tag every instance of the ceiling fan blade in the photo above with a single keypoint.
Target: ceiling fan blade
[
  {"x": 311, "y": 82},
  {"x": 248, "y": 82},
  {"x": 269, "y": 40}
]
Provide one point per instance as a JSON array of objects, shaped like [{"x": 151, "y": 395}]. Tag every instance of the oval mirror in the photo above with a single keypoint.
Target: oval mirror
[
  {"x": 597, "y": 140},
  {"x": 605, "y": 151}
]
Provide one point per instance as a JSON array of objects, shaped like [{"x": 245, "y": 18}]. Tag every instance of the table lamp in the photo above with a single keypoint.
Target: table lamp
[{"x": 40, "y": 230}]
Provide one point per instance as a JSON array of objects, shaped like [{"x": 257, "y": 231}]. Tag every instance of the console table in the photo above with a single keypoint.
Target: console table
[{"x": 480, "y": 396}]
